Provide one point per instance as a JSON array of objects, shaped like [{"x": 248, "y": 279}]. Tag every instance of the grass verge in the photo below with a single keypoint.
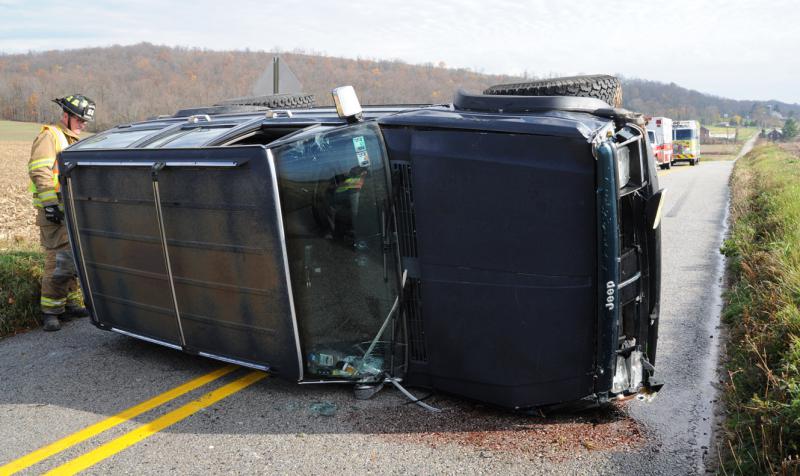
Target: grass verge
[
  {"x": 762, "y": 311},
  {"x": 21, "y": 267}
]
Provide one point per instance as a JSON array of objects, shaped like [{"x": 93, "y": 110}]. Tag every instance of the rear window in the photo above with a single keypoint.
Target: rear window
[{"x": 685, "y": 134}]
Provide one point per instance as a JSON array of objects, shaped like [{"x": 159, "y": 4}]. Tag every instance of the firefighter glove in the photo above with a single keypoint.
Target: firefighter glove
[{"x": 54, "y": 214}]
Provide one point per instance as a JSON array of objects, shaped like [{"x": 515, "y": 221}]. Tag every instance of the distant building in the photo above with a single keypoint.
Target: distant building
[
  {"x": 705, "y": 134},
  {"x": 775, "y": 134}
]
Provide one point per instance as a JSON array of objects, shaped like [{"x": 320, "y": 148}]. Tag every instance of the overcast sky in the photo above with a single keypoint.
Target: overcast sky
[{"x": 742, "y": 49}]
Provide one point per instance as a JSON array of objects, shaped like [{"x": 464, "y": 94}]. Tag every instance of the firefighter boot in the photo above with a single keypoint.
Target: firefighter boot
[
  {"x": 50, "y": 322},
  {"x": 74, "y": 312}
]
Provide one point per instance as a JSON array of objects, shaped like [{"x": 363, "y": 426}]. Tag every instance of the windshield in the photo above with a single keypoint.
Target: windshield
[
  {"x": 685, "y": 134},
  {"x": 334, "y": 199}
]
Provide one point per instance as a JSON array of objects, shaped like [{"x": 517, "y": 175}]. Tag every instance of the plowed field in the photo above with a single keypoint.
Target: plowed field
[{"x": 17, "y": 219}]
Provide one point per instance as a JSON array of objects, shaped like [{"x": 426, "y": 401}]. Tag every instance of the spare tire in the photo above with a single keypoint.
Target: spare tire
[
  {"x": 600, "y": 86},
  {"x": 292, "y": 101}
]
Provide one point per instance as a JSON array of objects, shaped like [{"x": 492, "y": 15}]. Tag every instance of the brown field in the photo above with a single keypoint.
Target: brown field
[
  {"x": 17, "y": 219},
  {"x": 719, "y": 151}
]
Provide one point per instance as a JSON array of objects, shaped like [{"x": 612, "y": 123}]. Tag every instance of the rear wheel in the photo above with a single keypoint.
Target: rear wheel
[
  {"x": 600, "y": 86},
  {"x": 693, "y": 162}
]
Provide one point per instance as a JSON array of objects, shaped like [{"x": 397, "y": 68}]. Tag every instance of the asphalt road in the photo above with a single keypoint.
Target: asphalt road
[
  {"x": 62, "y": 389},
  {"x": 680, "y": 421}
]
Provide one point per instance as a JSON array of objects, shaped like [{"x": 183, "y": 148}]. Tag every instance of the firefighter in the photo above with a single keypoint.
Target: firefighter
[{"x": 61, "y": 296}]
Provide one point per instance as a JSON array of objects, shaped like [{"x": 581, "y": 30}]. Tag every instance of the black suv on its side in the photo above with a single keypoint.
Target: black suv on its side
[{"x": 504, "y": 248}]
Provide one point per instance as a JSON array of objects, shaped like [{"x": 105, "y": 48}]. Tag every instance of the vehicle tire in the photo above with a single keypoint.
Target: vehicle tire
[
  {"x": 668, "y": 165},
  {"x": 693, "y": 162},
  {"x": 600, "y": 86},
  {"x": 290, "y": 101}
]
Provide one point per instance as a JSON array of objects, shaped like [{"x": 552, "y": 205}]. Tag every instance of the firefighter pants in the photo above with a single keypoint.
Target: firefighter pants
[{"x": 59, "y": 282}]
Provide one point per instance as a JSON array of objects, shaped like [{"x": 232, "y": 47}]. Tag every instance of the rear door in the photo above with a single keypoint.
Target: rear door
[{"x": 185, "y": 247}]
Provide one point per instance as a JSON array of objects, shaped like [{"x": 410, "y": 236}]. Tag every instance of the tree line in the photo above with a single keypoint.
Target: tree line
[
  {"x": 679, "y": 103},
  {"x": 131, "y": 83}
]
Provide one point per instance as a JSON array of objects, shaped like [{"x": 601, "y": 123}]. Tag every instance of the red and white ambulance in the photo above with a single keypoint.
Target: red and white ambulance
[{"x": 661, "y": 128}]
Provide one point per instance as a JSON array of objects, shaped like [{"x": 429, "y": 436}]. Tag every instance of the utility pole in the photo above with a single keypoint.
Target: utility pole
[{"x": 276, "y": 67}]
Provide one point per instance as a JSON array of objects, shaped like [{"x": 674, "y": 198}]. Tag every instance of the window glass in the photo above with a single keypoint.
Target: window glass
[
  {"x": 684, "y": 134},
  {"x": 334, "y": 199},
  {"x": 194, "y": 137},
  {"x": 115, "y": 139}
]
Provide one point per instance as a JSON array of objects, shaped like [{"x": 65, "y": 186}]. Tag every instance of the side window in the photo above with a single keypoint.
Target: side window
[
  {"x": 192, "y": 137},
  {"x": 115, "y": 139}
]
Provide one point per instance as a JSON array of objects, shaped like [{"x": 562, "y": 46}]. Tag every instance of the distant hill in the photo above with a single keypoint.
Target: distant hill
[
  {"x": 671, "y": 100},
  {"x": 134, "y": 82}
]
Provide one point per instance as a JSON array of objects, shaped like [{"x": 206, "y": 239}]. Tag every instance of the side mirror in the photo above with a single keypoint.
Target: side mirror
[{"x": 347, "y": 105}]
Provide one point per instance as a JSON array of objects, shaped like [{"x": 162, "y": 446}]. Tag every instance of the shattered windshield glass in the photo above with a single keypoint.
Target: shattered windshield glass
[{"x": 334, "y": 198}]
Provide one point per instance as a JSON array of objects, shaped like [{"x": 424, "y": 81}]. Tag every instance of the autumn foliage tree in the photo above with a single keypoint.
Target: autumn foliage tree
[{"x": 131, "y": 83}]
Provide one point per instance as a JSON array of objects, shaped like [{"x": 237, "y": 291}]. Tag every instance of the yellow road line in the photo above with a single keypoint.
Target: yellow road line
[
  {"x": 45, "y": 452},
  {"x": 131, "y": 438},
  {"x": 666, "y": 171}
]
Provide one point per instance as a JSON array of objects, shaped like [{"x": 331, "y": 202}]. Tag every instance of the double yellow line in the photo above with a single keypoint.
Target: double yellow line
[{"x": 115, "y": 446}]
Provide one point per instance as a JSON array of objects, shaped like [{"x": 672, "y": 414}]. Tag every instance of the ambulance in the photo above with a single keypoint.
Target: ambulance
[
  {"x": 686, "y": 142},
  {"x": 660, "y": 130}
]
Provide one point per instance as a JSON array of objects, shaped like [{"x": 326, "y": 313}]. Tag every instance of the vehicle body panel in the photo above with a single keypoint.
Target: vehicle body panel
[
  {"x": 223, "y": 286},
  {"x": 489, "y": 294}
]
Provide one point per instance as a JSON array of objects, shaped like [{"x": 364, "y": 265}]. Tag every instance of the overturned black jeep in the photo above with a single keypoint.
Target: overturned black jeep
[{"x": 504, "y": 248}]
